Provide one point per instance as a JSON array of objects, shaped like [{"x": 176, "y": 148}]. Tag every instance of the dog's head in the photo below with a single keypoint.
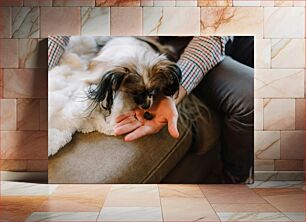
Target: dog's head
[{"x": 160, "y": 78}]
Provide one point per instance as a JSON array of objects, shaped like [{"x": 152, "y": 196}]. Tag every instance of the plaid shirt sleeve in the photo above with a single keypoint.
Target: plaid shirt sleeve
[
  {"x": 200, "y": 56},
  {"x": 56, "y": 48}
]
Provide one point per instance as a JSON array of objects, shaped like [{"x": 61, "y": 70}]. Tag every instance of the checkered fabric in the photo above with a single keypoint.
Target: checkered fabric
[
  {"x": 200, "y": 56},
  {"x": 56, "y": 48}
]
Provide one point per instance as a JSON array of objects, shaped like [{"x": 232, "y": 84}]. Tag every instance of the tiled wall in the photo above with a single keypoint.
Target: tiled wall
[{"x": 279, "y": 27}]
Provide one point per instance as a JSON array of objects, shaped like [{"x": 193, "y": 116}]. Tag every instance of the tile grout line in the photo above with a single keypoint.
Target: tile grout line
[{"x": 161, "y": 209}]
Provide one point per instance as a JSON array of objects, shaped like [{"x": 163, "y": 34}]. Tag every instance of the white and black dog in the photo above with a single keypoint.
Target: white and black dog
[{"x": 93, "y": 85}]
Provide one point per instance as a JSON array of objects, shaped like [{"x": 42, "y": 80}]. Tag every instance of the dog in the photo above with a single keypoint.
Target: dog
[{"x": 101, "y": 78}]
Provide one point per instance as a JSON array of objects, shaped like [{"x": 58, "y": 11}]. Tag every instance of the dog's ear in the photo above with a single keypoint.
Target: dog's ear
[
  {"x": 174, "y": 80},
  {"x": 104, "y": 92}
]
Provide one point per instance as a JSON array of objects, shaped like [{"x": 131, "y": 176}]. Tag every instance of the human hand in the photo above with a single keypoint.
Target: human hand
[{"x": 137, "y": 126}]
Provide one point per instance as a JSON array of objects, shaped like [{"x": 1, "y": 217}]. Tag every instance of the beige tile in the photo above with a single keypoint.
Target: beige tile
[
  {"x": 284, "y": 49},
  {"x": 8, "y": 114},
  {"x": 289, "y": 165},
  {"x": 220, "y": 3},
  {"x": 187, "y": 209},
  {"x": 249, "y": 3},
  {"x": 252, "y": 216},
  {"x": 300, "y": 114},
  {"x": 263, "y": 207},
  {"x": 37, "y": 165},
  {"x": 279, "y": 83},
  {"x": 126, "y": 21},
  {"x": 279, "y": 114},
  {"x": 266, "y": 3},
  {"x": 25, "y": 83},
  {"x": 278, "y": 19},
  {"x": 1, "y": 83},
  {"x": 160, "y": 21},
  {"x": 5, "y": 22},
  {"x": 263, "y": 53},
  {"x": 163, "y": 3},
  {"x": 37, "y": 2},
  {"x": 230, "y": 194},
  {"x": 305, "y": 83},
  {"x": 95, "y": 21},
  {"x": 32, "y": 53},
  {"x": 13, "y": 165},
  {"x": 4, "y": 3},
  {"x": 51, "y": 17},
  {"x": 146, "y": 2},
  {"x": 263, "y": 165},
  {"x": 73, "y": 2},
  {"x": 267, "y": 145},
  {"x": 124, "y": 3},
  {"x": 23, "y": 145},
  {"x": 292, "y": 145},
  {"x": 8, "y": 53},
  {"x": 186, "y": 3},
  {"x": 133, "y": 196},
  {"x": 258, "y": 110},
  {"x": 25, "y": 22},
  {"x": 279, "y": 3},
  {"x": 183, "y": 191},
  {"x": 28, "y": 114},
  {"x": 229, "y": 20},
  {"x": 299, "y": 3},
  {"x": 43, "y": 114}
]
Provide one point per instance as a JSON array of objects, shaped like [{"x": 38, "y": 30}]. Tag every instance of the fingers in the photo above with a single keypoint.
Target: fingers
[
  {"x": 124, "y": 115},
  {"x": 139, "y": 115},
  {"x": 127, "y": 127},
  {"x": 172, "y": 126},
  {"x": 126, "y": 121},
  {"x": 138, "y": 133}
]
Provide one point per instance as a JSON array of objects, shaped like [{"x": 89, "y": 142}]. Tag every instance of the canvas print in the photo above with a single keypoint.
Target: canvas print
[{"x": 136, "y": 109}]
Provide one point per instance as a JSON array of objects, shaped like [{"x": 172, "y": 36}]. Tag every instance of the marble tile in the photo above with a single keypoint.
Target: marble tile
[
  {"x": 28, "y": 114},
  {"x": 289, "y": 165},
  {"x": 25, "y": 83},
  {"x": 263, "y": 207},
  {"x": 5, "y": 3},
  {"x": 263, "y": 53},
  {"x": 267, "y": 145},
  {"x": 232, "y": 194},
  {"x": 95, "y": 21},
  {"x": 33, "y": 53},
  {"x": 63, "y": 216},
  {"x": 43, "y": 114},
  {"x": 37, "y": 2},
  {"x": 163, "y": 3},
  {"x": 52, "y": 16},
  {"x": 279, "y": 176},
  {"x": 186, "y": 3},
  {"x": 260, "y": 165},
  {"x": 258, "y": 116},
  {"x": 133, "y": 196},
  {"x": 26, "y": 189},
  {"x": 5, "y": 22},
  {"x": 284, "y": 49},
  {"x": 130, "y": 214},
  {"x": 124, "y": 3},
  {"x": 229, "y": 20},
  {"x": 300, "y": 114},
  {"x": 146, "y": 2},
  {"x": 277, "y": 184},
  {"x": 126, "y": 21},
  {"x": 299, "y": 3},
  {"x": 279, "y": 3},
  {"x": 278, "y": 19},
  {"x": 183, "y": 191},
  {"x": 160, "y": 21},
  {"x": 18, "y": 208},
  {"x": 9, "y": 53},
  {"x": 220, "y": 3},
  {"x": 267, "y": 3},
  {"x": 237, "y": 3},
  {"x": 279, "y": 83},
  {"x": 24, "y": 145},
  {"x": 292, "y": 145},
  {"x": 25, "y": 22},
  {"x": 73, "y": 2},
  {"x": 279, "y": 114},
  {"x": 295, "y": 216},
  {"x": 8, "y": 114},
  {"x": 253, "y": 216},
  {"x": 187, "y": 209},
  {"x": 13, "y": 165},
  {"x": 37, "y": 165}
]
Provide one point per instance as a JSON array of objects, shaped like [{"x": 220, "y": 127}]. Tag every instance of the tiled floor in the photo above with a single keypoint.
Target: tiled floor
[{"x": 262, "y": 201}]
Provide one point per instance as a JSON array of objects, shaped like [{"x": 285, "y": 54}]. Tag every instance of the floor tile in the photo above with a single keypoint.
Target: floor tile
[
  {"x": 130, "y": 214},
  {"x": 133, "y": 196},
  {"x": 230, "y": 194},
  {"x": 63, "y": 216},
  {"x": 264, "y": 207},
  {"x": 186, "y": 190},
  {"x": 26, "y": 189},
  {"x": 274, "y": 216},
  {"x": 277, "y": 184},
  {"x": 295, "y": 216}
]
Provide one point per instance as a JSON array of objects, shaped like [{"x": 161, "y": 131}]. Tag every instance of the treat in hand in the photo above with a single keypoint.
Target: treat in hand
[{"x": 148, "y": 116}]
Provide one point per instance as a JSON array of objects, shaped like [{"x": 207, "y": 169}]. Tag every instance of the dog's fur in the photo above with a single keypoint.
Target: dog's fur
[{"x": 93, "y": 85}]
